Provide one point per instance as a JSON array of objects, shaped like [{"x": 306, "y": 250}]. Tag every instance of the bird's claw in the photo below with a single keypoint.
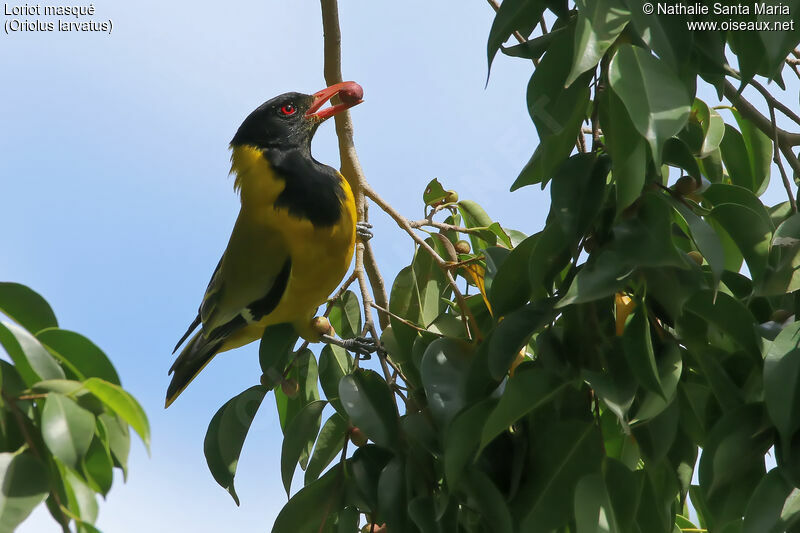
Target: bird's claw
[
  {"x": 363, "y": 230},
  {"x": 360, "y": 345}
]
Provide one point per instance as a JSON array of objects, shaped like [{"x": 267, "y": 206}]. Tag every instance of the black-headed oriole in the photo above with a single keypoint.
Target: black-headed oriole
[{"x": 293, "y": 240}]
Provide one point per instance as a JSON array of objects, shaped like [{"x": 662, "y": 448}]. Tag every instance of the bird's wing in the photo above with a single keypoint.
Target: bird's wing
[{"x": 248, "y": 282}]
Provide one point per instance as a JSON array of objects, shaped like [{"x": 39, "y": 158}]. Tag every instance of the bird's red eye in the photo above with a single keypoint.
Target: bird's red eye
[{"x": 288, "y": 109}]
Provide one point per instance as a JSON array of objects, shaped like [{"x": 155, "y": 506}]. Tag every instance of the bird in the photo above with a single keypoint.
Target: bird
[{"x": 293, "y": 240}]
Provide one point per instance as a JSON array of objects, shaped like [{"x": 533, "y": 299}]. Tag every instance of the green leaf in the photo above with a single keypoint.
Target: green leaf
[
  {"x": 491, "y": 503},
  {"x": 444, "y": 370},
  {"x": 529, "y": 388},
  {"x": 782, "y": 380},
  {"x": 705, "y": 238},
  {"x": 313, "y": 506},
  {"x": 713, "y": 127},
  {"x": 566, "y": 452},
  {"x": 26, "y": 307},
  {"x": 67, "y": 429},
  {"x": 732, "y": 463},
  {"x": 98, "y": 467},
  {"x": 119, "y": 440},
  {"x": 670, "y": 366},
  {"x": 601, "y": 277},
  {"x": 369, "y": 403},
  {"x": 123, "y": 404},
  {"x": 774, "y": 506},
  {"x": 79, "y": 354},
  {"x": 34, "y": 363},
  {"x": 25, "y": 485},
  {"x": 334, "y": 364},
  {"x": 638, "y": 346},
  {"x": 728, "y": 315},
  {"x": 301, "y": 431},
  {"x": 747, "y": 159},
  {"x": 658, "y": 103},
  {"x": 513, "y": 15},
  {"x": 81, "y": 500},
  {"x": 329, "y": 443},
  {"x": 577, "y": 191},
  {"x": 475, "y": 217},
  {"x": 461, "y": 440},
  {"x": 677, "y": 154},
  {"x": 627, "y": 148},
  {"x": 593, "y": 510},
  {"x": 434, "y": 193},
  {"x": 392, "y": 495},
  {"x": 273, "y": 352},
  {"x": 599, "y": 23},
  {"x": 512, "y": 334},
  {"x": 556, "y": 112},
  {"x": 345, "y": 316},
  {"x": 226, "y": 433},
  {"x": 365, "y": 469},
  {"x": 748, "y": 231}
]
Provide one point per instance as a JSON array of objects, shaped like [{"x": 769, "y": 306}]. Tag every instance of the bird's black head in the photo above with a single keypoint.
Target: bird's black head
[{"x": 290, "y": 120}]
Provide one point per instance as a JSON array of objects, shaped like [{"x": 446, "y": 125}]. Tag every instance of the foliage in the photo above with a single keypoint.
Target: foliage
[
  {"x": 572, "y": 386},
  {"x": 64, "y": 417}
]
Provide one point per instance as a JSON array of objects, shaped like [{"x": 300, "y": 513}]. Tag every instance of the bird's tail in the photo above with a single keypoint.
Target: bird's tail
[{"x": 193, "y": 358}]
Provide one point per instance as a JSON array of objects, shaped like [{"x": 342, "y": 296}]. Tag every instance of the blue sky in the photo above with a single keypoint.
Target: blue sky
[{"x": 116, "y": 203}]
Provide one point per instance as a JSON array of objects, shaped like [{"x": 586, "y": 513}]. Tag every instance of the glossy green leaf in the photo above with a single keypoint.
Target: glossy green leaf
[
  {"x": 274, "y": 351},
  {"x": 25, "y": 485},
  {"x": 667, "y": 36},
  {"x": 81, "y": 500},
  {"x": 706, "y": 240},
  {"x": 593, "y": 510},
  {"x": 512, "y": 334},
  {"x": 364, "y": 468},
  {"x": 79, "y": 354},
  {"x": 313, "y": 505},
  {"x": 747, "y": 160},
  {"x": 123, "y": 404},
  {"x": 301, "y": 431},
  {"x": 392, "y": 495},
  {"x": 26, "y": 307},
  {"x": 774, "y": 506},
  {"x": 513, "y": 15},
  {"x": 461, "y": 440},
  {"x": 33, "y": 362},
  {"x": 444, "y": 369},
  {"x": 226, "y": 433},
  {"x": 599, "y": 23},
  {"x": 670, "y": 367},
  {"x": 119, "y": 440},
  {"x": 98, "y": 467},
  {"x": 556, "y": 112},
  {"x": 490, "y": 501},
  {"x": 67, "y": 429},
  {"x": 602, "y": 277},
  {"x": 638, "y": 344},
  {"x": 577, "y": 191},
  {"x": 475, "y": 217},
  {"x": 627, "y": 148},
  {"x": 751, "y": 235},
  {"x": 529, "y": 388},
  {"x": 565, "y": 453},
  {"x": 782, "y": 380},
  {"x": 369, "y": 403},
  {"x": 510, "y": 287},
  {"x": 729, "y": 316},
  {"x": 334, "y": 364},
  {"x": 658, "y": 103},
  {"x": 345, "y": 316},
  {"x": 329, "y": 443},
  {"x": 713, "y": 127}
]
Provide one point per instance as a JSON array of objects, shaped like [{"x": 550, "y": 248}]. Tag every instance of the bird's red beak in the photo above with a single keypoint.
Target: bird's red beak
[{"x": 350, "y": 93}]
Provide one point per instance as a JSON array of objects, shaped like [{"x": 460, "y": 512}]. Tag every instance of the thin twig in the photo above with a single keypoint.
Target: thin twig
[
  {"x": 418, "y": 224},
  {"x": 774, "y": 102},
  {"x": 778, "y": 161},
  {"x": 441, "y": 263},
  {"x": 398, "y": 318}
]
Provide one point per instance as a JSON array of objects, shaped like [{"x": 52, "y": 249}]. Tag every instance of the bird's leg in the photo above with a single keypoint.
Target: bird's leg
[
  {"x": 360, "y": 345},
  {"x": 363, "y": 230}
]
